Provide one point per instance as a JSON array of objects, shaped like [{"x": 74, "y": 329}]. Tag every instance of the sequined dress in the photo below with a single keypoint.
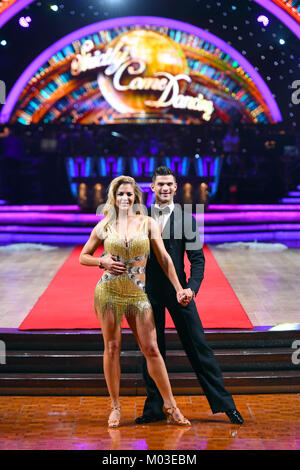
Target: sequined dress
[{"x": 124, "y": 294}]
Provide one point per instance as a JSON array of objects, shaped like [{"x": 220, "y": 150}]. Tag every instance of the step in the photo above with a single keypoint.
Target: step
[
  {"x": 290, "y": 200},
  {"x": 247, "y": 228},
  {"x": 282, "y": 381},
  {"x": 27, "y": 230},
  {"x": 92, "y": 340},
  {"x": 250, "y": 207},
  {"x": 264, "y": 336},
  {"x": 131, "y": 361},
  {"x": 274, "y": 236},
  {"x": 38, "y": 207},
  {"x": 210, "y": 218}
]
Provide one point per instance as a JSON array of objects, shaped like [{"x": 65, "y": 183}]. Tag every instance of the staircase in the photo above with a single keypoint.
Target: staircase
[
  {"x": 71, "y": 362},
  {"x": 222, "y": 223},
  {"x": 293, "y": 197}
]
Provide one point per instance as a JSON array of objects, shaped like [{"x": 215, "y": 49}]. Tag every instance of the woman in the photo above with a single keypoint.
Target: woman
[{"x": 127, "y": 234}]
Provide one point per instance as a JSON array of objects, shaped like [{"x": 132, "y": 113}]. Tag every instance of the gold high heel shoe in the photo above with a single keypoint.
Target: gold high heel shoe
[
  {"x": 114, "y": 422},
  {"x": 171, "y": 419}
]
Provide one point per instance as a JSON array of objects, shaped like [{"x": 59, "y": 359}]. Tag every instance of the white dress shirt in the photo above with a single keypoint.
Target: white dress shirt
[{"x": 162, "y": 214}]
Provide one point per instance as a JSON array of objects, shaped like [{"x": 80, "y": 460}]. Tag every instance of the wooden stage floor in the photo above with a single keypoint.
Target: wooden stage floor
[
  {"x": 272, "y": 422},
  {"x": 267, "y": 285}
]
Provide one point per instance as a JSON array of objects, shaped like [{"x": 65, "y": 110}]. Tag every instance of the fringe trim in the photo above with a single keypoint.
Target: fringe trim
[{"x": 122, "y": 297}]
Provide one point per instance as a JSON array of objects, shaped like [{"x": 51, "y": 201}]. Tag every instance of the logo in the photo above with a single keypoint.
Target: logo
[
  {"x": 2, "y": 92},
  {"x": 142, "y": 72},
  {"x": 296, "y": 94},
  {"x": 2, "y": 352},
  {"x": 296, "y": 353}
]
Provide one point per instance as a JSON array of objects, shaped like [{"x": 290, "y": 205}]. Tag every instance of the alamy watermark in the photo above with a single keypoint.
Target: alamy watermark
[
  {"x": 2, "y": 352},
  {"x": 296, "y": 353},
  {"x": 296, "y": 94},
  {"x": 2, "y": 92},
  {"x": 188, "y": 223}
]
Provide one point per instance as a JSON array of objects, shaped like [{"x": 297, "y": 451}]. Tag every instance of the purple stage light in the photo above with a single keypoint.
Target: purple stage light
[
  {"x": 252, "y": 217},
  {"x": 128, "y": 21},
  {"x": 38, "y": 208},
  {"x": 208, "y": 238},
  {"x": 44, "y": 229},
  {"x": 251, "y": 237},
  {"x": 41, "y": 238},
  {"x": 44, "y": 218},
  {"x": 253, "y": 207},
  {"x": 290, "y": 199},
  {"x": 226, "y": 218},
  {"x": 250, "y": 228}
]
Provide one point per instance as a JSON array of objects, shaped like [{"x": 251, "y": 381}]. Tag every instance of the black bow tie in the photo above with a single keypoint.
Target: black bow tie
[{"x": 162, "y": 210}]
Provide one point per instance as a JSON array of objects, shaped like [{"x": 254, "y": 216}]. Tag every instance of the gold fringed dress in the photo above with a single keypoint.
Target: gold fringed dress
[{"x": 124, "y": 294}]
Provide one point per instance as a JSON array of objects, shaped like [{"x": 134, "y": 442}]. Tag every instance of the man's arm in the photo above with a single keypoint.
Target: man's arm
[{"x": 194, "y": 253}]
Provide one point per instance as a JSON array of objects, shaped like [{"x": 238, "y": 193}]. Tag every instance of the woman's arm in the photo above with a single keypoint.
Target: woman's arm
[
  {"x": 162, "y": 255},
  {"x": 86, "y": 256}
]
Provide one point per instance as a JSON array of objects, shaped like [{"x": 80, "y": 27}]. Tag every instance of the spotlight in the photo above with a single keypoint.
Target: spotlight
[
  {"x": 54, "y": 7},
  {"x": 263, "y": 19},
  {"x": 281, "y": 41},
  {"x": 24, "y": 21},
  {"x": 3, "y": 42}
]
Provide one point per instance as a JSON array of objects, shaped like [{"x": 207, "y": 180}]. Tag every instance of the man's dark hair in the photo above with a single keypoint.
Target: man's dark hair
[{"x": 162, "y": 171}]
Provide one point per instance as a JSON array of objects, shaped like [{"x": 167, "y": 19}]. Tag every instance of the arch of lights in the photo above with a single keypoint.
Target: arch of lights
[
  {"x": 48, "y": 92},
  {"x": 287, "y": 11}
]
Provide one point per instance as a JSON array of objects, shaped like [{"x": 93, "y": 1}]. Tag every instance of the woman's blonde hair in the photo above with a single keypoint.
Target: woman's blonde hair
[{"x": 110, "y": 209}]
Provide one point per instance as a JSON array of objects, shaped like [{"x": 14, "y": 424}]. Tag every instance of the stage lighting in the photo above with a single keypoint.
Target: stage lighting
[
  {"x": 54, "y": 7},
  {"x": 263, "y": 19},
  {"x": 3, "y": 42},
  {"x": 281, "y": 41},
  {"x": 24, "y": 21}
]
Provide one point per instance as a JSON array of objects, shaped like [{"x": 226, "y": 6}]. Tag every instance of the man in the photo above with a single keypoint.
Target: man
[{"x": 180, "y": 235}]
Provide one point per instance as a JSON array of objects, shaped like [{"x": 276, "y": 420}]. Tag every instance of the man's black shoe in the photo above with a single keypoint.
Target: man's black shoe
[
  {"x": 235, "y": 417},
  {"x": 150, "y": 419}
]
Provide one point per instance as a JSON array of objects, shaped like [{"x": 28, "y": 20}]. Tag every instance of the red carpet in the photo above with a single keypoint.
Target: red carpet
[{"x": 67, "y": 303}]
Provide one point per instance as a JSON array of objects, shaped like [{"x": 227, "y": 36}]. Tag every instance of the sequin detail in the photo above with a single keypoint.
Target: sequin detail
[{"x": 124, "y": 294}]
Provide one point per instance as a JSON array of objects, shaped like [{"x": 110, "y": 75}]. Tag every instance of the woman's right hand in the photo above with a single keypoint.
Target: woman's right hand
[
  {"x": 183, "y": 298},
  {"x": 112, "y": 265}
]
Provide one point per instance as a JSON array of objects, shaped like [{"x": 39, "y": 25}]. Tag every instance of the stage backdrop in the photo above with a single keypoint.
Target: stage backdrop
[{"x": 140, "y": 69}]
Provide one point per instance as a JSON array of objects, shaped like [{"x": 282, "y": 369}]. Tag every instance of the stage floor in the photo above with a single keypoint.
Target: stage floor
[
  {"x": 271, "y": 422},
  {"x": 266, "y": 283}
]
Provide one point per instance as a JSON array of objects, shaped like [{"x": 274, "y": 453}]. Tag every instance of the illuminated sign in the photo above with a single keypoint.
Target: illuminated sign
[{"x": 125, "y": 79}]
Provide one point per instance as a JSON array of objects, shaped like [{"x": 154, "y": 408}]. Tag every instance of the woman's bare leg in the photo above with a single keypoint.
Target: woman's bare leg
[
  {"x": 145, "y": 334},
  {"x": 111, "y": 359}
]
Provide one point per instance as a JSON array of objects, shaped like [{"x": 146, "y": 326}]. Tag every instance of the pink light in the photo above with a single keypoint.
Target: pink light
[
  {"x": 263, "y": 19},
  {"x": 24, "y": 22}
]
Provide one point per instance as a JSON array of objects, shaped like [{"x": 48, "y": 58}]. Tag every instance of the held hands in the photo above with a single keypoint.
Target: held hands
[
  {"x": 184, "y": 296},
  {"x": 112, "y": 265}
]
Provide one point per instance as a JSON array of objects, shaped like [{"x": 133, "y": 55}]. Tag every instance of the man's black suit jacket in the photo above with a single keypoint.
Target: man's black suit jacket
[{"x": 180, "y": 235}]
